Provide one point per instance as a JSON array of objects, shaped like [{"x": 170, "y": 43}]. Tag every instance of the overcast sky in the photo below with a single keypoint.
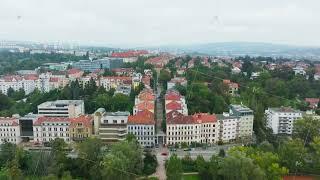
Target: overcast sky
[{"x": 161, "y": 22}]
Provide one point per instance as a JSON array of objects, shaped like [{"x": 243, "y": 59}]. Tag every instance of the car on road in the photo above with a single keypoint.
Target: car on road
[{"x": 164, "y": 154}]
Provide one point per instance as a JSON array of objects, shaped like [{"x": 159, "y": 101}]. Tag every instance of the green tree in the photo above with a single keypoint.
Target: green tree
[
  {"x": 59, "y": 157},
  {"x": 214, "y": 167},
  {"x": 150, "y": 164},
  {"x": 124, "y": 161},
  {"x": 237, "y": 166},
  {"x": 174, "y": 168},
  {"x": 203, "y": 168},
  {"x": 315, "y": 154},
  {"x": 306, "y": 128},
  {"x": 292, "y": 153},
  {"x": 90, "y": 151}
]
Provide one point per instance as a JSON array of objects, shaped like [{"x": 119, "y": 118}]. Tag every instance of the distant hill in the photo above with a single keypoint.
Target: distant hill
[{"x": 245, "y": 48}]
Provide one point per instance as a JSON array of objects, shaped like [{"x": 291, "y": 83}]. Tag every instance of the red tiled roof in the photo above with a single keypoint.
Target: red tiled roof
[
  {"x": 12, "y": 78},
  {"x": 31, "y": 77},
  {"x": 10, "y": 120},
  {"x": 312, "y": 100},
  {"x": 146, "y": 96},
  {"x": 230, "y": 84},
  {"x": 73, "y": 71},
  {"x": 129, "y": 53},
  {"x": 84, "y": 119},
  {"x": 174, "y": 105},
  {"x": 174, "y": 117},
  {"x": 234, "y": 85},
  {"x": 142, "y": 117},
  {"x": 173, "y": 97},
  {"x": 42, "y": 119},
  {"x": 178, "y": 118},
  {"x": 299, "y": 178},
  {"x": 145, "y": 105},
  {"x": 122, "y": 78},
  {"x": 54, "y": 79},
  {"x": 205, "y": 117},
  {"x": 226, "y": 81}
]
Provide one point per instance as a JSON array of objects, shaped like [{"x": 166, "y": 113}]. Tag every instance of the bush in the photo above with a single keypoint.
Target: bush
[{"x": 150, "y": 164}]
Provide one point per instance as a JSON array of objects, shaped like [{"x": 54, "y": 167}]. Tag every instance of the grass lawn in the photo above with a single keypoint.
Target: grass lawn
[{"x": 190, "y": 177}]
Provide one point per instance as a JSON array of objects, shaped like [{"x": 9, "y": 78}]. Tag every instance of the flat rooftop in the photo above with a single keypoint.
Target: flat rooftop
[{"x": 59, "y": 103}]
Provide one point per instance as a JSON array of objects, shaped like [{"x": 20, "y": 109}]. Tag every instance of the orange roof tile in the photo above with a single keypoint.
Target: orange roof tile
[
  {"x": 42, "y": 119},
  {"x": 174, "y": 105},
  {"x": 86, "y": 120},
  {"x": 142, "y": 117},
  {"x": 145, "y": 105}
]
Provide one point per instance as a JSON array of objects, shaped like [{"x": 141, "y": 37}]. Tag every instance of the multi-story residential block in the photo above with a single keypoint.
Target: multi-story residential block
[
  {"x": 123, "y": 89},
  {"x": 145, "y": 105},
  {"x": 109, "y": 82},
  {"x": 27, "y": 83},
  {"x": 62, "y": 108},
  {"x": 142, "y": 125},
  {"x": 246, "y": 119},
  {"x": 175, "y": 81},
  {"x": 145, "y": 95},
  {"x": 197, "y": 128},
  {"x": 136, "y": 80},
  {"x": 123, "y": 71},
  {"x": 46, "y": 129},
  {"x": 75, "y": 73},
  {"x": 232, "y": 87},
  {"x": 9, "y": 130},
  {"x": 281, "y": 120},
  {"x": 110, "y": 126},
  {"x": 229, "y": 127},
  {"x": 81, "y": 127}
]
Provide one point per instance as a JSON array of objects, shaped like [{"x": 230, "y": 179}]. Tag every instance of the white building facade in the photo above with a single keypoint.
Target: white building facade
[
  {"x": 62, "y": 108},
  {"x": 245, "y": 115},
  {"x": 142, "y": 125},
  {"x": 46, "y": 129},
  {"x": 9, "y": 130},
  {"x": 281, "y": 120}
]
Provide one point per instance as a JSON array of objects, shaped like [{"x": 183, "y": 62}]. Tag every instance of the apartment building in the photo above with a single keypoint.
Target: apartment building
[
  {"x": 145, "y": 95},
  {"x": 62, "y": 108},
  {"x": 177, "y": 81},
  {"x": 109, "y": 82},
  {"x": 175, "y": 102},
  {"x": 246, "y": 119},
  {"x": 81, "y": 127},
  {"x": 281, "y": 120},
  {"x": 9, "y": 130},
  {"x": 142, "y": 125},
  {"x": 16, "y": 82},
  {"x": 145, "y": 105},
  {"x": 229, "y": 127},
  {"x": 110, "y": 126},
  {"x": 197, "y": 128},
  {"x": 46, "y": 129},
  {"x": 232, "y": 87}
]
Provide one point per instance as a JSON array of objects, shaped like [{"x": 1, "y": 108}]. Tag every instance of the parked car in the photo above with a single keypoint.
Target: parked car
[
  {"x": 164, "y": 154},
  {"x": 187, "y": 149}
]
